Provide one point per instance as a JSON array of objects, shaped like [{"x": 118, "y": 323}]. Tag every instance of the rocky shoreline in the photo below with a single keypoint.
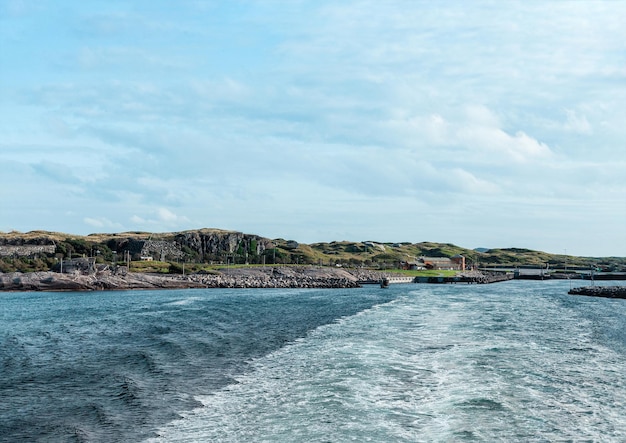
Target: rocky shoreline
[
  {"x": 249, "y": 277},
  {"x": 54, "y": 281},
  {"x": 269, "y": 277},
  {"x": 600, "y": 291}
]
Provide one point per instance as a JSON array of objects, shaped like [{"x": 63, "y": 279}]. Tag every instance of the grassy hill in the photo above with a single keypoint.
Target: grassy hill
[
  {"x": 390, "y": 253},
  {"x": 237, "y": 248}
]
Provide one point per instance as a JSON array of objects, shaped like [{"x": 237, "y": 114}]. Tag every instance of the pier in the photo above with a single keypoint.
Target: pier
[{"x": 469, "y": 277}]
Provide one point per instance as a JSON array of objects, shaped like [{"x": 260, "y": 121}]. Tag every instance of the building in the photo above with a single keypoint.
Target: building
[
  {"x": 412, "y": 265},
  {"x": 456, "y": 263}
]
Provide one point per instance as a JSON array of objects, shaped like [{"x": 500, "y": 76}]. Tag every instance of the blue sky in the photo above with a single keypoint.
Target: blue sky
[{"x": 482, "y": 123}]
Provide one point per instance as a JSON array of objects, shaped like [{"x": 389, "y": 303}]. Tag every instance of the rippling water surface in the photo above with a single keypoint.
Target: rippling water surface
[{"x": 514, "y": 361}]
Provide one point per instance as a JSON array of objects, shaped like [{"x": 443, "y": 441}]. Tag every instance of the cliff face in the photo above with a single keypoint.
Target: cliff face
[
  {"x": 201, "y": 244},
  {"x": 205, "y": 244},
  {"x": 25, "y": 250},
  {"x": 219, "y": 242},
  {"x": 26, "y": 247}
]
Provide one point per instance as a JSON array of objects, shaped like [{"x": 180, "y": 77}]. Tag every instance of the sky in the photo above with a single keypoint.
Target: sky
[{"x": 478, "y": 123}]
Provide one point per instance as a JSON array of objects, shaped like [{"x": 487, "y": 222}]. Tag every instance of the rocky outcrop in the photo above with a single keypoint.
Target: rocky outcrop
[
  {"x": 207, "y": 243},
  {"x": 203, "y": 245},
  {"x": 161, "y": 250},
  {"x": 116, "y": 279},
  {"x": 52, "y": 281},
  {"x": 600, "y": 291},
  {"x": 22, "y": 247},
  {"x": 26, "y": 250}
]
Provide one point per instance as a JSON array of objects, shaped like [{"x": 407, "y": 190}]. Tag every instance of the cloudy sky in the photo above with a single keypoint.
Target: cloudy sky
[{"x": 478, "y": 123}]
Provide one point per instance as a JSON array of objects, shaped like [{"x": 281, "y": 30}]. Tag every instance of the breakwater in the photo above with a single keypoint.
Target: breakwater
[
  {"x": 600, "y": 291},
  {"x": 113, "y": 279},
  {"x": 278, "y": 277},
  {"x": 471, "y": 277},
  {"x": 106, "y": 278},
  {"x": 468, "y": 277}
]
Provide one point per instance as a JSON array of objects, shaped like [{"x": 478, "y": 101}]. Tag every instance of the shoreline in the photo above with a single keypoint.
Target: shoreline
[
  {"x": 252, "y": 277},
  {"x": 270, "y": 277}
]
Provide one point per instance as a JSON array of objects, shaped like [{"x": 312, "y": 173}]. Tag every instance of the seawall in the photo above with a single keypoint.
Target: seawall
[{"x": 600, "y": 291}]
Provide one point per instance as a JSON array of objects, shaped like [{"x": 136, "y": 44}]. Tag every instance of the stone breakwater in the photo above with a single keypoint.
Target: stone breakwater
[
  {"x": 250, "y": 277},
  {"x": 600, "y": 291},
  {"x": 270, "y": 277},
  {"x": 279, "y": 277},
  {"x": 470, "y": 277}
]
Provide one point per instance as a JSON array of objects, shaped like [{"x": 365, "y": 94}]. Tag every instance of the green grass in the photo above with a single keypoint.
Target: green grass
[
  {"x": 150, "y": 266},
  {"x": 425, "y": 273}
]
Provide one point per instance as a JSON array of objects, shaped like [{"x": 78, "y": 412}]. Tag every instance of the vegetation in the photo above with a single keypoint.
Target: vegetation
[
  {"x": 425, "y": 273},
  {"x": 109, "y": 248}
]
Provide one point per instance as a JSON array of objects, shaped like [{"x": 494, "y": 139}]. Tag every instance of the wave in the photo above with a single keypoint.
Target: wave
[{"x": 426, "y": 367}]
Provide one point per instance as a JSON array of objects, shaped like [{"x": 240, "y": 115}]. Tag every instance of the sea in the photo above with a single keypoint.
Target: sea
[{"x": 517, "y": 361}]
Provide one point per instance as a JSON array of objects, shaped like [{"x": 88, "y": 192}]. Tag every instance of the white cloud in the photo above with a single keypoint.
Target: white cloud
[
  {"x": 162, "y": 118},
  {"x": 577, "y": 123},
  {"x": 102, "y": 222},
  {"x": 469, "y": 183},
  {"x": 501, "y": 146},
  {"x": 160, "y": 219},
  {"x": 168, "y": 216},
  {"x": 138, "y": 220}
]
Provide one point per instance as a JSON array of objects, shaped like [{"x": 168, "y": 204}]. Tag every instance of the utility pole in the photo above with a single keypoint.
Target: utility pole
[{"x": 566, "y": 274}]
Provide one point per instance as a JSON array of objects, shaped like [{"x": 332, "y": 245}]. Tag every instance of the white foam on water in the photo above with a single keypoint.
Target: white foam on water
[
  {"x": 184, "y": 301},
  {"x": 434, "y": 365}
]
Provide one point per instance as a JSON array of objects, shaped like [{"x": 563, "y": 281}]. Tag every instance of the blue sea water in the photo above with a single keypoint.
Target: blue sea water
[{"x": 513, "y": 361}]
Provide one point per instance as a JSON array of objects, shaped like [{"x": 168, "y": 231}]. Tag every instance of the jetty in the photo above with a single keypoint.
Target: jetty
[
  {"x": 600, "y": 291},
  {"x": 467, "y": 277}
]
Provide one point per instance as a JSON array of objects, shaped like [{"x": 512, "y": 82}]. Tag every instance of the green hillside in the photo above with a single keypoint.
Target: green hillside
[{"x": 205, "y": 248}]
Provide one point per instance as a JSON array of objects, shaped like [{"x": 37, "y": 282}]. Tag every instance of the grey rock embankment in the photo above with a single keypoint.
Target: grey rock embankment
[
  {"x": 270, "y": 277},
  {"x": 249, "y": 277},
  {"x": 280, "y": 277},
  {"x": 53, "y": 281},
  {"x": 600, "y": 291}
]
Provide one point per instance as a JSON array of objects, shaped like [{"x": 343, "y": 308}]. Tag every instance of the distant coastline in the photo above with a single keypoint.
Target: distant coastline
[
  {"x": 269, "y": 277},
  {"x": 250, "y": 277},
  {"x": 234, "y": 277},
  {"x": 42, "y": 260}
]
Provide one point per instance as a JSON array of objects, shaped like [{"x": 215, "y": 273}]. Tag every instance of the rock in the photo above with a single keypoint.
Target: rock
[
  {"x": 279, "y": 277},
  {"x": 52, "y": 281},
  {"x": 600, "y": 291},
  {"x": 253, "y": 277}
]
